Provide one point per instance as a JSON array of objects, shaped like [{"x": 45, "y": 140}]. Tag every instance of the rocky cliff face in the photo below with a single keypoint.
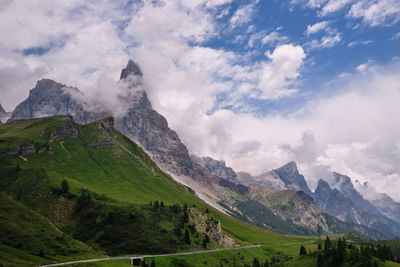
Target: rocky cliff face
[
  {"x": 344, "y": 185},
  {"x": 216, "y": 167},
  {"x": 293, "y": 180},
  {"x": 387, "y": 206},
  {"x": 50, "y": 98},
  {"x": 285, "y": 178},
  {"x": 206, "y": 225},
  {"x": 296, "y": 206},
  {"x": 333, "y": 202},
  {"x": 4, "y": 116}
]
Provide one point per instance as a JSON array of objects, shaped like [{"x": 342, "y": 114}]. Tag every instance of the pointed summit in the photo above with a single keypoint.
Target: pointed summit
[
  {"x": 4, "y": 115},
  {"x": 293, "y": 180},
  {"x": 2, "y": 111},
  {"x": 131, "y": 69},
  {"x": 290, "y": 167}
]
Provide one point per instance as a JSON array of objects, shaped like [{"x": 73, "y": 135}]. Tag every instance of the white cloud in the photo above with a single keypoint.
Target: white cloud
[
  {"x": 396, "y": 36},
  {"x": 355, "y": 43},
  {"x": 279, "y": 74},
  {"x": 315, "y": 3},
  {"x": 371, "y": 12},
  {"x": 376, "y": 12},
  {"x": 334, "y": 5},
  {"x": 317, "y": 27},
  {"x": 331, "y": 38},
  {"x": 273, "y": 38},
  {"x": 243, "y": 15},
  {"x": 352, "y": 133},
  {"x": 325, "y": 42}
]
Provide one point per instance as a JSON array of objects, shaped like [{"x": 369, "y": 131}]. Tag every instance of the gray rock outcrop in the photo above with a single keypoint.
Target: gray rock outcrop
[
  {"x": 64, "y": 130},
  {"x": 4, "y": 116},
  {"x": 22, "y": 150},
  {"x": 205, "y": 224},
  {"x": 284, "y": 178},
  {"x": 216, "y": 167},
  {"x": 131, "y": 69},
  {"x": 49, "y": 98}
]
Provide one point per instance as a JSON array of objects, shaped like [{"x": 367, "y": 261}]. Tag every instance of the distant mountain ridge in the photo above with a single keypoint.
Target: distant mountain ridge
[{"x": 286, "y": 177}]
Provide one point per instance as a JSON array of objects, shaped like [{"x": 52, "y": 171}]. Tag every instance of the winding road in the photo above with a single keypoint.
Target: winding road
[{"x": 149, "y": 256}]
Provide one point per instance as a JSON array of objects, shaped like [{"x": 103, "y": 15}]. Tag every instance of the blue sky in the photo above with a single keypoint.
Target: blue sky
[
  {"x": 255, "y": 83},
  {"x": 359, "y": 43}
]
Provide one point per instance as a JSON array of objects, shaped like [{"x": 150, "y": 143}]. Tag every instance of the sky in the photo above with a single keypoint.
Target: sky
[{"x": 254, "y": 83}]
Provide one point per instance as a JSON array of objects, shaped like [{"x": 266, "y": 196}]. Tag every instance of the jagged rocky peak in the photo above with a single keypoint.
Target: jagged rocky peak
[
  {"x": 4, "y": 116},
  {"x": 2, "y": 111},
  {"x": 216, "y": 167},
  {"x": 341, "y": 181},
  {"x": 322, "y": 187},
  {"x": 288, "y": 169},
  {"x": 293, "y": 180},
  {"x": 48, "y": 84},
  {"x": 131, "y": 69}
]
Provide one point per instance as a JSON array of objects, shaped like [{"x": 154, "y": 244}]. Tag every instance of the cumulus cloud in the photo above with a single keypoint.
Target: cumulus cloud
[
  {"x": 280, "y": 73},
  {"x": 352, "y": 133}
]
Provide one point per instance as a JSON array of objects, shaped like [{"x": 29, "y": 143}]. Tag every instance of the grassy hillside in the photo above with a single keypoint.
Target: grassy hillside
[
  {"x": 120, "y": 180},
  {"x": 27, "y": 237}
]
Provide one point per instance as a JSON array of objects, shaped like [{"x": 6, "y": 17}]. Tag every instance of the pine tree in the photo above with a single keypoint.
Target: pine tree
[
  {"x": 162, "y": 204},
  {"x": 186, "y": 237},
  {"x": 328, "y": 243},
  {"x": 64, "y": 187},
  {"x": 256, "y": 262},
  {"x": 156, "y": 205},
  {"x": 303, "y": 251},
  {"x": 185, "y": 217}
]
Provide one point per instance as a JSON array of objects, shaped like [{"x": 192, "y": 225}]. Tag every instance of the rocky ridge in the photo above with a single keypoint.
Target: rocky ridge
[
  {"x": 216, "y": 167},
  {"x": 4, "y": 116},
  {"x": 333, "y": 202},
  {"x": 206, "y": 225}
]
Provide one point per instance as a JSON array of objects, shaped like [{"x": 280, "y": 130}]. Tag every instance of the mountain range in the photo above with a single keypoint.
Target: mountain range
[{"x": 281, "y": 193}]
